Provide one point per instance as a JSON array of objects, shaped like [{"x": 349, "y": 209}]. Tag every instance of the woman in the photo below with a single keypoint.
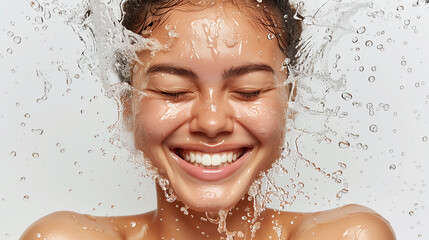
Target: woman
[{"x": 208, "y": 111}]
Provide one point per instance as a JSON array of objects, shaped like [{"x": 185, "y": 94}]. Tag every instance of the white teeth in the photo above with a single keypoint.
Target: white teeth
[
  {"x": 230, "y": 157},
  {"x": 206, "y": 160},
  {"x": 224, "y": 158},
  {"x": 215, "y": 159},
  {"x": 192, "y": 156},
  {"x": 198, "y": 158}
]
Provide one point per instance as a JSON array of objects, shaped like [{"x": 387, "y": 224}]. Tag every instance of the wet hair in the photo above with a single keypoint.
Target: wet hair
[{"x": 276, "y": 16}]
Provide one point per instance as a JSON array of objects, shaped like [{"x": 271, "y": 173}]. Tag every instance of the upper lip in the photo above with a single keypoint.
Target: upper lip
[{"x": 211, "y": 148}]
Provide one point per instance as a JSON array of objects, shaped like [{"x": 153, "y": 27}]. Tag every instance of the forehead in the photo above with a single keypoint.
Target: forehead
[{"x": 221, "y": 30}]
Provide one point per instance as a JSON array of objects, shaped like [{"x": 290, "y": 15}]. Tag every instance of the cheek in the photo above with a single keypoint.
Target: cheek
[
  {"x": 155, "y": 119},
  {"x": 265, "y": 119}
]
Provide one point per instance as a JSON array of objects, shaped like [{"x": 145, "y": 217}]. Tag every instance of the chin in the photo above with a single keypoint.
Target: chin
[{"x": 211, "y": 201}]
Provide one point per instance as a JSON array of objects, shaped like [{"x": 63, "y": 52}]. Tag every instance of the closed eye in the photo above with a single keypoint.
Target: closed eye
[
  {"x": 173, "y": 94},
  {"x": 249, "y": 95}
]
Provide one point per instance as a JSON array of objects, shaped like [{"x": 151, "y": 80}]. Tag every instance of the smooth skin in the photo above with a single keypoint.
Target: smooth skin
[{"x": 193, "y": 100}]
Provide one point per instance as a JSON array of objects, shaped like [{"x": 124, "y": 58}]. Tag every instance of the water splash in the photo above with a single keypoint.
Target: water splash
[{"x": 108, "y": 53}]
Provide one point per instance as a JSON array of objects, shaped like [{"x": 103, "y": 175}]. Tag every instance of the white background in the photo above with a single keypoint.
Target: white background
[{"x": 77, "y": 169}]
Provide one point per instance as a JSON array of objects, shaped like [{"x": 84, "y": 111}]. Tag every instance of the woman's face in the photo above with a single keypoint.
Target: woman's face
[{"x": 212, "y": 116}]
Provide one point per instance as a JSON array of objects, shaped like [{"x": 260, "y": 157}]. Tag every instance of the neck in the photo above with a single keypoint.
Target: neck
[{"x": 175, "y": 220}]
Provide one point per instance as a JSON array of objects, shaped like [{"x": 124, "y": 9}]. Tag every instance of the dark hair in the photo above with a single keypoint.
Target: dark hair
[{"x": 276, "y": 16}]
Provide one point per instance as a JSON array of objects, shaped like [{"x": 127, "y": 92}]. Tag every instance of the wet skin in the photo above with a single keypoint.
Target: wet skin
[{"x": 217, "y": 90}]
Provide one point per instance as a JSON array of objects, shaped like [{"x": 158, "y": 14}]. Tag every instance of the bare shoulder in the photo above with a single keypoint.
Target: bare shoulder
[
  {"x": 70, "y": 225},
  {"x": 344, "y": 223}
]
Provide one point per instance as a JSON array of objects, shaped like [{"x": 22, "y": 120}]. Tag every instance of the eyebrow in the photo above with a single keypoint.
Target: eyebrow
[
  {"x": 231, "y": 72},
  {"x": 171, "y": 69},
  {"x": 247, "y": 68}
]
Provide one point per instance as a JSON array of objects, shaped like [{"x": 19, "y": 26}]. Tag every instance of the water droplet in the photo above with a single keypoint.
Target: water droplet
[
  {"x": 355, "y": 39},
  {"x": 10, "y": 51},
  {"x": 341, "y": 193},
  {"x": 361, "y": 30},
  {"x": 344, "y": 144},
  {"x": 411, "y": 213},
  {"x": 35, "y": 155},
  {"x": 386, "y": 107},
  {"x": 392, "y": 167},
  {"x": 22, "y": 179},
  {"x": 400, "y": 8},
  {"x": 361, "y": 68},
  {"x": 373, "y": 68},
  {"x": 373, "y": 128},
  {"x": 17, "y": 40},
  {"x": 47, "y": 14},
  {"x": 368, "y": 43},
  {"x": 22, "y": 124},
  {"x": 27, "y": 115},
  {"x": 35, "y": 5},
  {"x": 346, "y": 96},
  {"x": 270, "y": 36},
  {"x": 133, "y": 224},
  {"x": 425, "y": 139},
  {"x": 112, "y": 206},
  {"x": 342, "y": 165},
  {"x": 231, "y": 42},
  {"x": 10, "y": 34},
  {"x": 37, "y": 131},
  {"x": 26, "y": 198},
  {"x": 39, "y": 20},
  {"x": 371, "y": 79},
  {"x": 13, "y": 154}
]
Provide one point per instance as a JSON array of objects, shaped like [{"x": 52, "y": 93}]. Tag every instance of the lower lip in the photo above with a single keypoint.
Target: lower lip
[{"x": 206, "y": 174}]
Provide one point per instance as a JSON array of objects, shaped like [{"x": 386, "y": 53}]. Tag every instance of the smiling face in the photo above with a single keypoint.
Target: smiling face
[{"x": 212, "y": 115}]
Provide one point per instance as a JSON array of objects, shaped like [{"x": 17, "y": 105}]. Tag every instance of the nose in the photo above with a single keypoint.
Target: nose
[{"x": 212, "y": 118}]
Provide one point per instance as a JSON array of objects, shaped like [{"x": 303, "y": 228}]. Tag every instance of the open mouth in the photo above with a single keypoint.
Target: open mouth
[{"x": 210, "y": 160}]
